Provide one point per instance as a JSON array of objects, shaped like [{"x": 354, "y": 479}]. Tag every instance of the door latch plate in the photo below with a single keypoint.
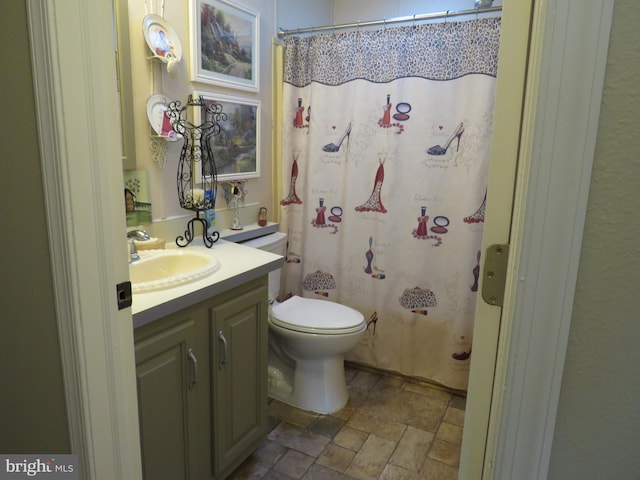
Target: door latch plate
[
  {"x": 495, "y": 274},
  {"x": 123, "y": 295}
]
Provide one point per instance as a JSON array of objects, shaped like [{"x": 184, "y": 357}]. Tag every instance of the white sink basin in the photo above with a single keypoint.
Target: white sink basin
[{"x": 160, "y": 269}]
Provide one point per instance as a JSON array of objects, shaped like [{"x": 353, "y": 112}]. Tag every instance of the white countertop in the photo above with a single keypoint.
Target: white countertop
[{"x": 238, "y": 265}]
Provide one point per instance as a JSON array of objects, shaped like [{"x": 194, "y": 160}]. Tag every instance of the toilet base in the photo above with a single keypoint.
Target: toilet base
[{"x": 318, "y": 385}]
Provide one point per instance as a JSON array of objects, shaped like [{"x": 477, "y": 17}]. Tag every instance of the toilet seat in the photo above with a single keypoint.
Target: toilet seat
[{"x": 309, "y": 315}]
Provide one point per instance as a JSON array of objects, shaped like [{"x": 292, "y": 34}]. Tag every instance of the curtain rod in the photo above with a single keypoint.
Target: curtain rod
[{"x": 386, "y": 21}]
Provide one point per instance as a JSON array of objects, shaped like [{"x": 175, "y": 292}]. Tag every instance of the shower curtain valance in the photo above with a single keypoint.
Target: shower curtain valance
[{"x": 430, "y": 51}]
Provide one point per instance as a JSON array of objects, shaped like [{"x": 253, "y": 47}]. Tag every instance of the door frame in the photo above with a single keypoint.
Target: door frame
[
  {"x": 505, "y": 142},
  {"x": 565, "y": 77},
  {"x": 73, "y": 61},
  {"x": 74, "y": 73}
]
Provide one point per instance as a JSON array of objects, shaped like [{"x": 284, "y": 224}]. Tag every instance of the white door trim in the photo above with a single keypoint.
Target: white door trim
[
  {"x": 507, "y": 120},
  {"x": 78, "y": 122},
  {"x": 566, "y": 75}
]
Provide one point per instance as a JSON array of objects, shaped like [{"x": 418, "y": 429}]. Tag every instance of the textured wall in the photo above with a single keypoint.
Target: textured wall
[
  {"x": 293, "y": 14},
  {"x": 598, "y": 426},
  {"x": 33, "y": 415}
]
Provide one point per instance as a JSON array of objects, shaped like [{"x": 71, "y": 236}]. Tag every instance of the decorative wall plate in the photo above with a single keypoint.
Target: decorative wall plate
[
  {"x": 156, "y": 113},
  {"x": 162, "y": 40}
]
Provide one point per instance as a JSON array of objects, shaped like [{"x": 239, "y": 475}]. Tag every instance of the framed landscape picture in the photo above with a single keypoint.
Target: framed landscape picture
[
  {"x": 236, "y": 149},
  {"x": 224, "y": 44}
]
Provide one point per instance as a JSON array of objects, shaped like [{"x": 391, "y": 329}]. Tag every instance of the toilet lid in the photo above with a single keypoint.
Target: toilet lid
[{"x": 316, "y": 316}]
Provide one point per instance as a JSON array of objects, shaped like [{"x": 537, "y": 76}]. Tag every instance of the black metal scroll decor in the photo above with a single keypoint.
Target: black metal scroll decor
[{"x": 197, "y": 121}]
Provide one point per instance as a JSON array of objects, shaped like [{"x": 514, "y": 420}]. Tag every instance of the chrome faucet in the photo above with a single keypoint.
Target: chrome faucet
[
  {"x": 132, "y": 236},
  {"x": 133, "y": 251},
  {"x": 138, "y": 235}
]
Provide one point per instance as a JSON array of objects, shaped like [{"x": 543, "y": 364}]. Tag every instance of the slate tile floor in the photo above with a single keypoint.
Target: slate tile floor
[{"x": 391, "y": 429}]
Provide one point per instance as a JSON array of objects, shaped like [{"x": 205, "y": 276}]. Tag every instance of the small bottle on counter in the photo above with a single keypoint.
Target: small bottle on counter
[
  {"x": 210, "y": 217},
  {"x": 262, "y": 217}
]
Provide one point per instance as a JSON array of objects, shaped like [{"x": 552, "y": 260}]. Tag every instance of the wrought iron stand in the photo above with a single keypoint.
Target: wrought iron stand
[
  {"x": 198, "y": 121},
  {"x": 189, "y": 233}
]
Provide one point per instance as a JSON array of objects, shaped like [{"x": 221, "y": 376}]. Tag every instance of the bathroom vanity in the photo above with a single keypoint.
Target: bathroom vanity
[{"x": 201, "y": 368}]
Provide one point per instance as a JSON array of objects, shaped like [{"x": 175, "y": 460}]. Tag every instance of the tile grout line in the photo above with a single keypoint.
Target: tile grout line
[{"x": 313, "y": 424}]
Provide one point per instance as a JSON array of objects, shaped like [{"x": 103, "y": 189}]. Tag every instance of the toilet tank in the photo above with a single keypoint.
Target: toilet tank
[{"x": 274, "y": 243}]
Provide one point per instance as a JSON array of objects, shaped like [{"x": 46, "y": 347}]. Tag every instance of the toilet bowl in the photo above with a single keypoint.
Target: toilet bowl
[
  {"x": 314, "y": 335},
  {"x": 307, "y": 341}
]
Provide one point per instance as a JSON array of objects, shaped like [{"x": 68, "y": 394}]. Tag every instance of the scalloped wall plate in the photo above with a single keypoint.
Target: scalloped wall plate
[{"x": 162, "y": 39}]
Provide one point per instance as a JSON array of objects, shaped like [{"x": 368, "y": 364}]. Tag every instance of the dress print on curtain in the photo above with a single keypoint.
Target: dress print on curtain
[{"x": 385, "y": 183}]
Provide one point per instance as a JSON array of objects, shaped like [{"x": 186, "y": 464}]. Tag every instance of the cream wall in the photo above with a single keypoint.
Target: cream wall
[
  {"x": 598, "y": 425},
  {"x": 151, "y": 77}
]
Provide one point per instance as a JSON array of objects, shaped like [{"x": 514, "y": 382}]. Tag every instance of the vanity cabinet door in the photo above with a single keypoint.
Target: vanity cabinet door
[
  {"x": 172, "y": 375},
  {"x": 239, "y": 374}
]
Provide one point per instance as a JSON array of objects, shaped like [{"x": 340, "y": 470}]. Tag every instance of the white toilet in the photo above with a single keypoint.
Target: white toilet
[{"x": 307, "y": 341}]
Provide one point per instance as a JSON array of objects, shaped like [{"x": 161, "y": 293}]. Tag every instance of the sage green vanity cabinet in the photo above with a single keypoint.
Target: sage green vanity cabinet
[
  {"x": 172, "y": 357},
  {"x": 239, "y": 371},
  {"x": 202, "y": 385}
]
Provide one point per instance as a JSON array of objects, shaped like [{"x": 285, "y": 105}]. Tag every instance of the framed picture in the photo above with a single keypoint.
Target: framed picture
[
  {"x": 236, "y": 149},
  {"x": 224, "y": 44}
]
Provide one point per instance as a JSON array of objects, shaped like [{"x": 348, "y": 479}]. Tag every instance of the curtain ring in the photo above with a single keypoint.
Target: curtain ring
[
  {"x": 385, "y": 22},
  {"x": 477, "y": 13},
  {"x": 414, "y": 20},
  {"x": 446, "y": 17}
]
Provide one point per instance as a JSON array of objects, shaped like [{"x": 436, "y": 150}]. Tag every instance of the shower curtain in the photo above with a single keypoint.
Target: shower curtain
[{"x": 385, "y": 148}]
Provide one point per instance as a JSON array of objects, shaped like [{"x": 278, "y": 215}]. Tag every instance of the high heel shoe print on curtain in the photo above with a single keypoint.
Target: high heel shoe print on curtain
[
  {"x": 439, "y": 150},
  {"x": 332, "y": 147}
]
